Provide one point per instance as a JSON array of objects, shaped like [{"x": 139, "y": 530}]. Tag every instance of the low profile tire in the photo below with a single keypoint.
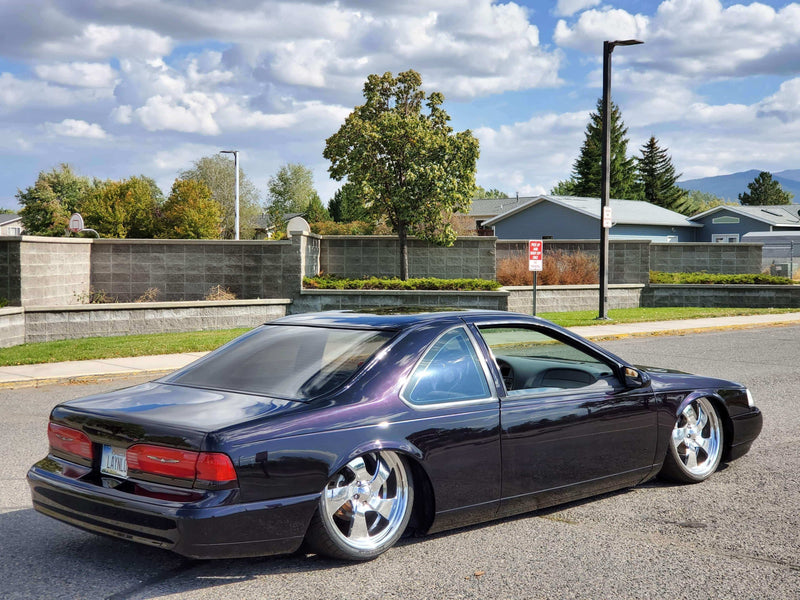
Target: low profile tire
[
  {"x": 695, "y": 447},
  {"x": 364, "y": 508}
]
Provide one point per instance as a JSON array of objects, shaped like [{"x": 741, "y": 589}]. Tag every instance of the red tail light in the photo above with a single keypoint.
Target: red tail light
[
  {"x": 69, "y": 440},
  {"x": 207, "y": 467}
]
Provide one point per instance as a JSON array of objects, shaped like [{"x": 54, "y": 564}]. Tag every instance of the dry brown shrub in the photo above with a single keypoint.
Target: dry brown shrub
[
  {"x": 220, "y": 293},
  {"x": 150, "y": 295},
  {"x": 559, "y": 268}
]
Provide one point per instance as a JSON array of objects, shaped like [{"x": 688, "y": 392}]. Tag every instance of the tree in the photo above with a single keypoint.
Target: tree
[
  {"x": 130, "y": 208},
  {"x": 587, "y": 171},
  {"x": 291, "y": 190},
  {"x": 703, "y": 201},
  {"x": 763, "y": 191},
  {"x": 190, "y": 212},
  {"x": 347, "y": 206},
  {"x": 657, "y": 179},
  {"x": 48, "y": 203},
  {"x": 218, "y": 173},
  {"x": 408, "y": 165},
  {"x": 564, "y": 188},
  {"x": 481, "y": 192}
]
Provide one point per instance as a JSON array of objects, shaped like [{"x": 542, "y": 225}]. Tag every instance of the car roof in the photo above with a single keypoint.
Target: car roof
[{"x": 394, "y": 318}]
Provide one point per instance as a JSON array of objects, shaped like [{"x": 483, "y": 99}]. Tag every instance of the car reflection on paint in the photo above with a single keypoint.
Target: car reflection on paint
[{"x": 342, "y": 431}]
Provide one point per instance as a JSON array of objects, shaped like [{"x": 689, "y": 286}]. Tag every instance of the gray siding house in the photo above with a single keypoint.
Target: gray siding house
[
  {"x": 568, "y": 217},
  {"x": 731, "y": 223}
]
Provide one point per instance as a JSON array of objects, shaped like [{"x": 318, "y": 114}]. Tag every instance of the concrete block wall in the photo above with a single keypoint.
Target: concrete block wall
[
  {"x": 102, "y": 320},
  {"x": 708, "y": 257},
  {"x": 318, "y": 300},
  {"x": 378, "y": 255},
  {"x": 734, "y": 296},
  {"x": 628, "y": 260},
  {"x": 12, "y": 327},
  {"x": 187, "y": 269},
  {"x": 561, "y": 298},
  {"x": 10, "y": 277},
  {"x": 54, "y": 271}
]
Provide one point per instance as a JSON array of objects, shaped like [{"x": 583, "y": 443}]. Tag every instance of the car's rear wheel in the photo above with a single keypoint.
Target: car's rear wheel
[
  {"x": 364, "y": 508},
  {"x": 695, "y": 447}
]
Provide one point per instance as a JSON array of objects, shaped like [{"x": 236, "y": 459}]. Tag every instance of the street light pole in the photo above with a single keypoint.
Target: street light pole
[
  {"x": 236, "y": 205},
  {"x": 605, "y": 166}
]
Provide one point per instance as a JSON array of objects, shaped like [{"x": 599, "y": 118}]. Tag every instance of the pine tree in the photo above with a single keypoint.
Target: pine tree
[
  {"x": 587, "y": 170},
  {"x": 657, "y": 179},
  {"x": 764, "y": 190}
]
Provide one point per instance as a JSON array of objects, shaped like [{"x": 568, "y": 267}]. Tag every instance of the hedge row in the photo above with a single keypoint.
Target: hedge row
[
  {"x": 332, "y": 282},
  {"x": 716, "y": 278}
]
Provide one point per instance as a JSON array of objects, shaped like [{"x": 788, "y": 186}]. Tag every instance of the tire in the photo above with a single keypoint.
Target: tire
[
  {"x": 695, "y": 446},
  {"x": 364, "y": 508}
]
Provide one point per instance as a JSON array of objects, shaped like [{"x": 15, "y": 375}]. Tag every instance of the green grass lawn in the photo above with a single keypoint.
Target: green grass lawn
[{"x": 169, "y": 343}]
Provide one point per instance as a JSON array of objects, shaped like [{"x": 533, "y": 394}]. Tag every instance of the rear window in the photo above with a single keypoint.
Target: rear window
[{"x": 286, "y": 361}]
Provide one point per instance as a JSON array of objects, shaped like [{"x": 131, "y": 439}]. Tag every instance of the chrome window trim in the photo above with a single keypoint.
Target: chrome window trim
[{"x": 491, "y": 399}]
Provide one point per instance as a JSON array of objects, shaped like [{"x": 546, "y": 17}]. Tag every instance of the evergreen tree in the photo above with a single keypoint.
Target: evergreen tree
[
  {"x": 657, "y": 179},
  {"x": 587, "y": 170},
  {"x": 346, "y": 205},
  {"x": 564, "y": 188},
  {"x": 765, "y": 190}
]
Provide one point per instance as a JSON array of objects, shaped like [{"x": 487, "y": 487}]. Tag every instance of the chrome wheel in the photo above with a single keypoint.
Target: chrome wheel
[
  {"x": 365, "y": 507},
  {"x": 696, "y": 443}
]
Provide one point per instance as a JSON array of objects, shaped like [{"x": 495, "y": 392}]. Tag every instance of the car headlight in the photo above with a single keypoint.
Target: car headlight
[{"x": 750, "y": 402}]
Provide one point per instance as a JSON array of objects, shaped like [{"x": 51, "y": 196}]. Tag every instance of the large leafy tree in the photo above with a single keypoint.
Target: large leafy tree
[
  {"x": 764, "y": 190},
  {"x": 48, "y": 203},
  {"x": 407, "y": 163},
  {"x": 130, "y": 208},
  {"x": 347, "y": 206},
  {"x": 218, "y": 173},
  {"x": 190, "y": 212},
  {"x": 481, "y": 192},
  {"x": 587, "y": 171},
  {"x": 291, "y": 190},
  {"x": 657, "y": 178}
]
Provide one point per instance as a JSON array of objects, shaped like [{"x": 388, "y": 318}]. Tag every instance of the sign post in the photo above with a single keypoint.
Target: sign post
[{"x": 535, "y": 264}]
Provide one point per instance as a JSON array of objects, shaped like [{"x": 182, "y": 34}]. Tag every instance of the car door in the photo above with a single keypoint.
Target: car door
[{"x": 569, "y": 427}]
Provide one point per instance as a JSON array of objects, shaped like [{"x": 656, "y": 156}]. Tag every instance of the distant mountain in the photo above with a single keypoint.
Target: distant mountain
[{"x": 730, "y": 186}]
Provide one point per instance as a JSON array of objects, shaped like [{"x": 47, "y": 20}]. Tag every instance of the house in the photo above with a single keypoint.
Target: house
[
  {"x": 573, "y": 218},
  {"x": 10, "y": 224},
  {"x": 729, "y": 223}
]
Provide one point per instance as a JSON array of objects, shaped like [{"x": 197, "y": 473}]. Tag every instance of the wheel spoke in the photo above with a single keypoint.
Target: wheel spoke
[
  {"x": 382, "y": 474},
  {"x": 702, "y": 417},
  {"x": 358, "y": 528},
  {"x": 336, "y": 497},
  {"x": 691, "y": 458},
  {"x": 690, "y": 414},
  {"x": 678, "y": 435},
  {"x": 705, "y": 444},
  {"x": 359, "y": 469},
  {"x": 383, "y": 507}
]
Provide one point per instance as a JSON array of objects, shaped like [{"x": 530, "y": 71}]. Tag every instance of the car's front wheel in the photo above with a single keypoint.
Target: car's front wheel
[
  {"x": 364, "y": 508},
  {"x": 695, "y": 447}
]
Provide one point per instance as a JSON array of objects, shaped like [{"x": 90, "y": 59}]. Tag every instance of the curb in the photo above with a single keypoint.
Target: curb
[
  {"x": 621, "y": 336},
  {"x": 80, "y": 379}
]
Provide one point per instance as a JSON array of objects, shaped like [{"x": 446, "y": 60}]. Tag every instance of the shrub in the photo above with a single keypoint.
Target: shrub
[
  {"x": 3, "y": 302},
  {"x": 219, "y": 293},
  {"x": 718, "y": 278},
  {"x": 333, "y": 282},
  {"x": 559, "y": 268},
  {"x": 95, "y": 296},
  {"x": 353, "y": 228},
  {"x": 151, "y": 295}
]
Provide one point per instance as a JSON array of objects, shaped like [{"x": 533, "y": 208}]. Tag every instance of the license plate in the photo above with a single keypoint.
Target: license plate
[{"x": 114, "y": 461}]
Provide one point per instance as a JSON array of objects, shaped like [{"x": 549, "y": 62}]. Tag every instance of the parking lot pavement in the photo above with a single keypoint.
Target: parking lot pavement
[{"x": 734, "y": 536}]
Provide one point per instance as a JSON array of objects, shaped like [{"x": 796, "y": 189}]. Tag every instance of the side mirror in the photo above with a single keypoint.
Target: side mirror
[{"x": 634, "y": 378}]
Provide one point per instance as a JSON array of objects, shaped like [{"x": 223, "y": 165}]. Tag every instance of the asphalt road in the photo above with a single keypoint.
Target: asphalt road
[{"x": 734, "y": 536}]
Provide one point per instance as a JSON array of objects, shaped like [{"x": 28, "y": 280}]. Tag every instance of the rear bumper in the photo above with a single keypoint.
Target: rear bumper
[
  {"x": 225, "y": 531},
  {"x": 746, "y": 428}
]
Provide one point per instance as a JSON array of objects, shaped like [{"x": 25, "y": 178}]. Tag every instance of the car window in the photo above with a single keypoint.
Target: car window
[
  {"x": 531, "y": 361},
  {"x": 286, "y": 361},
  {"x": 450, "y": 371}
]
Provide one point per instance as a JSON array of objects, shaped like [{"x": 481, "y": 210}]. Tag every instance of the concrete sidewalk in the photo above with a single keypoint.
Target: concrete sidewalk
[{"x": 92, "y": 370}]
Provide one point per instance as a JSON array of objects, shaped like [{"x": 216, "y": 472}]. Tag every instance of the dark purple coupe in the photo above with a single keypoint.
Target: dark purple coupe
[{"x": 344, "y": 430}]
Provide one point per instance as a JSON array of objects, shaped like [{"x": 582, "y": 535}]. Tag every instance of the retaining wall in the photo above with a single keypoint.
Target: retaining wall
[
  {"x": 379, "y": 255},
  {"x": 45, "y": 324},
  {"x": 734, "y": 296},
  {"x": 317, "y": 300},
  {"x": 561, "y": 298},
  {"x": 706, "y": 256}
]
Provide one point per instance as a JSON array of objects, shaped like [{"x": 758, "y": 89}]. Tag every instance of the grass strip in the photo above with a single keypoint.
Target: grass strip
[{"x": 640, "y": 315}]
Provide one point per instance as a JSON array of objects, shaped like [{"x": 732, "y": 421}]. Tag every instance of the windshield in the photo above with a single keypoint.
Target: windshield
[{"x": 286, "y": 361}]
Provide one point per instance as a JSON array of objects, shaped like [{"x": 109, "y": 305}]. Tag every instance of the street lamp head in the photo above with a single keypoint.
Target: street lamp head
[
  {"x": 228, "y": 151},
  {"x": 625, "y": 43}
]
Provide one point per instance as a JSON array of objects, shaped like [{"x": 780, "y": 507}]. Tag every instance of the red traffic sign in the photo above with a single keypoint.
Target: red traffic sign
[{"x": 535, "y": 248}]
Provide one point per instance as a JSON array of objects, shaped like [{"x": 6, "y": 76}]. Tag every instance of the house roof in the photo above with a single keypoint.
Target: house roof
[
  {"x": 625, "y": 212},
  {"x": 482, "y": 207},
  {"x": 787, "y": 215},
  {"x": 7, "y": 218}
]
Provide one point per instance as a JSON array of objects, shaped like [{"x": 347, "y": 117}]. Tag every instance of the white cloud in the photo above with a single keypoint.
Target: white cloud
[
  {"x": 191, "y": 113},
  {"x": 76, "y": 128},
  {"x": 123, "y": 114},
  {"x": 567, "y": 8},
  {"x": 102, "y": 42},
  {"x": 91, "y": 75},
  {"x": 22, "y": 93}
]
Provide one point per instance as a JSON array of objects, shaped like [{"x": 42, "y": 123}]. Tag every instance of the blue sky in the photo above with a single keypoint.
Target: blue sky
[{"x": 118, "y": 88}]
